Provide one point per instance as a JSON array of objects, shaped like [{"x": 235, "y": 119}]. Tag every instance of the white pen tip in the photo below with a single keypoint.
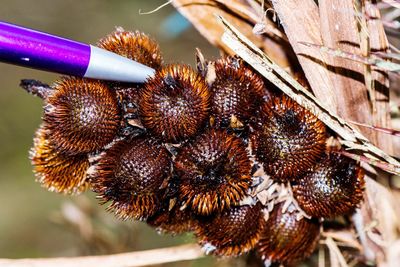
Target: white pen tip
[{"x": 106, "y": 65}]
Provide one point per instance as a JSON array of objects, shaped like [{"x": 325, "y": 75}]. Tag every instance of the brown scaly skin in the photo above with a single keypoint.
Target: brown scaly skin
[
  {"x": 214, "y": 172},
  {"x": 286, "y": 240},
  {"x": 131, "y": 175},
  {"x": 236, "y": 93},
  {"x": 175, "y": 103},
  {"x": 232, "y": 232},
  {"x": 288, "y": 139},
  {"x": 56, "y": 171},
  {"x": 81, "y": 115},
  {"x": 133, "y": 45},
  {"x": 332, "y": 187}
]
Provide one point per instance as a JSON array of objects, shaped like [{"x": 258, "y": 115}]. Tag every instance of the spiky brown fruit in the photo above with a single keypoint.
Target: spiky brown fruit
[
  {"x": 134, "y": 45},
  {"x": 236, "y": 93},
  {"x": 332, "y": 187},
  {"x": 56, "y": 171},
  {"x": 214, "y": 172},
  {"x": 288, "y": 140},
  {"x": 285, "y": 239},
  {"x": 175, "y": 103},
  {"x": 233, "y": 232},
  {"x": 131, "y": 175},
  {"x": 81, "y": 115}
]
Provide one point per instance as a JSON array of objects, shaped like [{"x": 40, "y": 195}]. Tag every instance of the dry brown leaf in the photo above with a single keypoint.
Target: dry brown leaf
[
  {"x": 201, "y": 13},
  {"x": 379, "y": 43},
  {"x": 339, "y": 30},
  {"x": 303, "y": 25}
]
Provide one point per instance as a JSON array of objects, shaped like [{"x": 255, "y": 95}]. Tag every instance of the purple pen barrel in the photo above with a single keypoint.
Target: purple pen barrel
[{"x": 38, "y": 50}]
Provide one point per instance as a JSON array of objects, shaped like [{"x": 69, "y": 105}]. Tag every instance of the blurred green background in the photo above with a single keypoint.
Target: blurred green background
[{"x": 37, "y": 223}]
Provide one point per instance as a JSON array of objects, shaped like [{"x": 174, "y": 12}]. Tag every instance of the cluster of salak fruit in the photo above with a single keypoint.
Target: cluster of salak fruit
[{"x": 180, "y": 152}]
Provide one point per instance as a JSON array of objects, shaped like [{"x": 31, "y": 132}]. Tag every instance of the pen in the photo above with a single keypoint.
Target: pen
[{"x": 39, "y": 50}]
